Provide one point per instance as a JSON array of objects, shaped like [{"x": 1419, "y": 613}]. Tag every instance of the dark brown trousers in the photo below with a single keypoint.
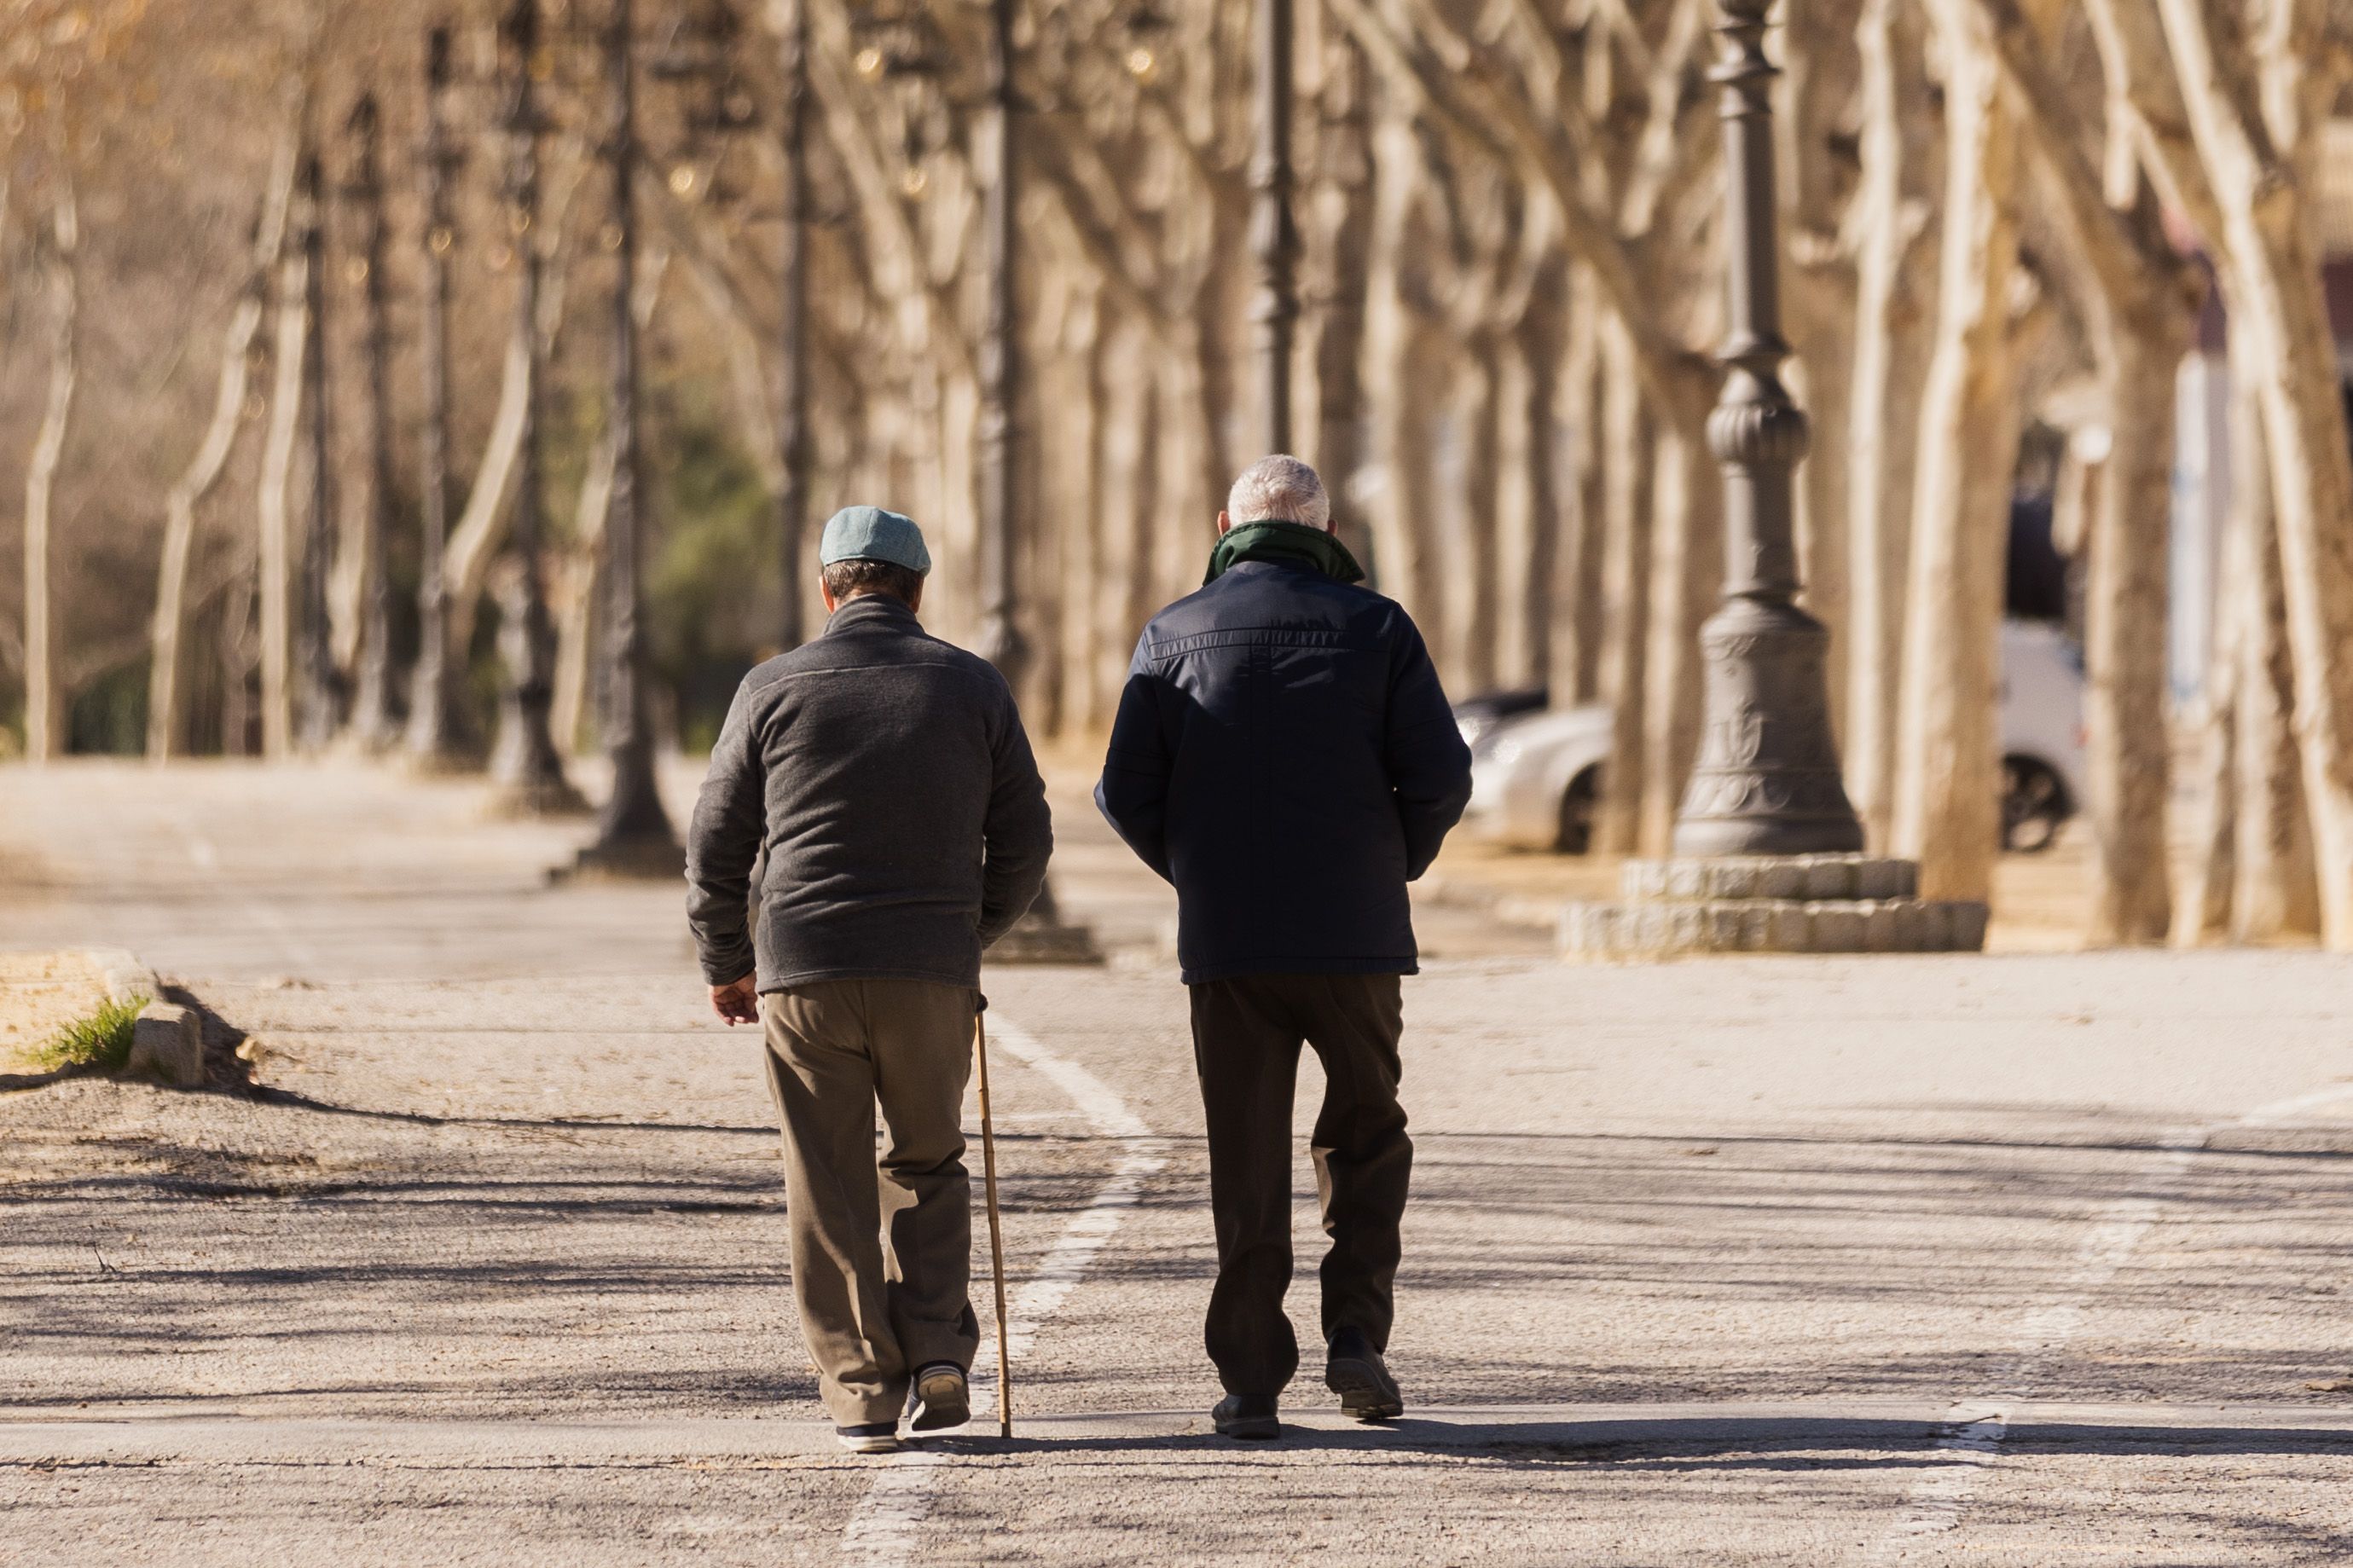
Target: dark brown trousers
[{"x": 1246, "y": 1037}]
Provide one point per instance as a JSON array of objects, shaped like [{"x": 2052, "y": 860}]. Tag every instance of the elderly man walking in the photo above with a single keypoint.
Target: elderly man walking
[
  {"x": 887, "y": 777},
  {"x": 1284, "y": 755}
]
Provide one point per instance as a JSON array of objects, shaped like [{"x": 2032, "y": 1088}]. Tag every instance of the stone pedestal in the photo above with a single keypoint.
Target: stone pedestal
[{"x": 1769, "y": 903}]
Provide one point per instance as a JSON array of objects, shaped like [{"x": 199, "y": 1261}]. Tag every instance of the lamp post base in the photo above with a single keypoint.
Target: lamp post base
[{"x": 1777, "y": 903}]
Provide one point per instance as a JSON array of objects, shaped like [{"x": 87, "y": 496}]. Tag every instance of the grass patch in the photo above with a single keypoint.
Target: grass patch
[{"x": 99, "y": 1043}]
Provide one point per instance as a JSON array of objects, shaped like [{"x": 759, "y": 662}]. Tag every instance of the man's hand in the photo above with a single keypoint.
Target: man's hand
[{"x": 738, "y": 1001}]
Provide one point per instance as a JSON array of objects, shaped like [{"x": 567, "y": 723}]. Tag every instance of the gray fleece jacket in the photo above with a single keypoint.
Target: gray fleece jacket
[{"x": 887, "y": 777}]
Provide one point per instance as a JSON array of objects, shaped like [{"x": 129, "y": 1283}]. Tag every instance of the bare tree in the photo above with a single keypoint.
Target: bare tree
[
  {"x": 1948, "y": 779},
  {"x": 44, "y": 709},
  {"x": 166, "y": 715}
]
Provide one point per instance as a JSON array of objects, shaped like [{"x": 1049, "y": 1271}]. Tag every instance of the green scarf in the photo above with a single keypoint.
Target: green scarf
[{"x": 1290, "y": 541}]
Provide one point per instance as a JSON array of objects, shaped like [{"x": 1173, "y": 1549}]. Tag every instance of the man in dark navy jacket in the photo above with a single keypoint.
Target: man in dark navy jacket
[{"x": 1284, "y": 755}]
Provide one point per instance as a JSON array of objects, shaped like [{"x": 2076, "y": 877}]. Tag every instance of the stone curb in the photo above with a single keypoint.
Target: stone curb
[
  {"x": 1668, "y": 928},
  {"x": 167, "y": 1041}
]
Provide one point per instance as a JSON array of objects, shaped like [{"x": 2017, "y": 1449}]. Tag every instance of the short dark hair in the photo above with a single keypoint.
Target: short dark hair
[{"x": 848, "y": 579}]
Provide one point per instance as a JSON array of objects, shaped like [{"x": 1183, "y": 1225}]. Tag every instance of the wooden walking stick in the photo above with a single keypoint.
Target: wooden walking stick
[{"x": 995, "y": 1230}]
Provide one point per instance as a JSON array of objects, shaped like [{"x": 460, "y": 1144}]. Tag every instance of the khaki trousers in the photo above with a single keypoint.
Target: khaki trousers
[{"x": 882, "y": 1249}]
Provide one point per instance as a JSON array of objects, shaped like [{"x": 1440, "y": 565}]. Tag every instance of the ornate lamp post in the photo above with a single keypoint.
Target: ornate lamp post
[
  {"x": 792, "y": 338},
  {"x": 525, "y": 765},
  {"x": 1768, "y": 848},
  {"x": 1767, "y": 781},
  {"x": 633, "y": 832},
  {"x": 1000, "y": 364},
  {"x": 431, "y": 744},
  {"x": 903, "y": 48}
]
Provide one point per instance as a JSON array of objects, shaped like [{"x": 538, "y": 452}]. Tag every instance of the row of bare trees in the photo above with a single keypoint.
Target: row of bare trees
[{"x": 2002, "y": 215}]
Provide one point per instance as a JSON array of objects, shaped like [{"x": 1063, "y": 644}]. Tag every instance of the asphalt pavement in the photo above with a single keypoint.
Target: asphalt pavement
[{"x": 2022, "y": 1260}]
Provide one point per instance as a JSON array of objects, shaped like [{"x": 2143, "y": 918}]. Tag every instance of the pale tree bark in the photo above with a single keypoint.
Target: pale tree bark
[
  {"x": 274, "y": 529},
  {"x": 166, "y": 717},
  {"x": 2202, "y": 907},
  {"x": 574, "y": 598},
  {"x": 480, "y": 528},
  {"x": 1627, "y": 439},
  {"x": 1338, "y": 229},
  {"x": 1577, "y": 602},
  {"x": 2274, "y": 892},
  {"x": 1686, "y": 578},
  {"x": 577, "y": 592},
  {"x": 44, "y": 737},
  {"x": 2138, "y": 305},
  {"x": 1948, "y": 811},
  {"x": 2254, "y": 142},
  {"x": 1895, "y": 235}
]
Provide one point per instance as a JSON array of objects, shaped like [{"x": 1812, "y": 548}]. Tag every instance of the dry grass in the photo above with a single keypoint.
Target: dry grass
[{"x": 42, "y": 995}]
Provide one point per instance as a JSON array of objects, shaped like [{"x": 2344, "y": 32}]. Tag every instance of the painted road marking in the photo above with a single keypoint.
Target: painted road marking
[
  {"x": 883, "y": 1532},
  {"x": 1973, "y": 1434}
]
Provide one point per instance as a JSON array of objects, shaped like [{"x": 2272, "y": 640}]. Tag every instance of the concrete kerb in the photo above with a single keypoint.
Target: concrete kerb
[{"x": 167, "y": 1041}]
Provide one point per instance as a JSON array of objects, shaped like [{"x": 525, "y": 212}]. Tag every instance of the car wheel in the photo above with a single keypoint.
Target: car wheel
[
  {"x": 1575, "y": 835},
  {"x": 2034, "y": 805}
]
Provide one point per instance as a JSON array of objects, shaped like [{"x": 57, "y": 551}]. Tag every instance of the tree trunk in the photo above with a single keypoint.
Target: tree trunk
[
  {"x": 1626, "y": 445},
  {"x": 1528, "y": 522},
  {"x": 579, "y": 591},
  {"x": 2128, "y": 739},
  {"x": 1467, "y": 585},
  {"x": 2201, "y": 909},
  {"x": 1686, "y": 581},
  {"x": 166, "y": 720},
  {"x": 1891, "y": 354},
  {"x": 2274, "y": 890},
  {"x": 373, "y": 724},
  {"x": 274, "y": 540},
  {"x": 2275, "y": 264},
  {"x": 45, "y": 738},
  {"x": 1577, "y": 604},
  {"x": 1339, "y": 228},
  {"x": 1947, "y": 805}
]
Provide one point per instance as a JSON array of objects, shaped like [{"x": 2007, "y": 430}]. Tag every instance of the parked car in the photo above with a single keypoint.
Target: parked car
[{"x": 1537, "y": 776}]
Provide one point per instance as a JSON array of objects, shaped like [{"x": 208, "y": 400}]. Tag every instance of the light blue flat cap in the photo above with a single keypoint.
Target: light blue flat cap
[{"x": 871, "y": 534}]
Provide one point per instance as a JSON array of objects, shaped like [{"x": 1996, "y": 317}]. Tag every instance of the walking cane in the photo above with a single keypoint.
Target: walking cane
[{"x": 995, "y": 1230}]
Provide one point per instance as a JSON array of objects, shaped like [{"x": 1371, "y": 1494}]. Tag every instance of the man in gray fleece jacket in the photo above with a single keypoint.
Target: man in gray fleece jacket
[{"x": 887, "y": 777}]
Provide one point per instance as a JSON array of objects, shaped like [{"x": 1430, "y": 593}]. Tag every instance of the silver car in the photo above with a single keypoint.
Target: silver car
[{"x": 1536, "y": 777}]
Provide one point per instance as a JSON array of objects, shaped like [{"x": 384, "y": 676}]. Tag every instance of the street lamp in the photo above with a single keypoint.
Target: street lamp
[
  {"x": 1767, "y": 850},
  {"x": 633, "y": 831},
  {"x": 1767, "y": 781},
  {"x": 525, "y": 767},
  {"x": 898, "y": 42}
]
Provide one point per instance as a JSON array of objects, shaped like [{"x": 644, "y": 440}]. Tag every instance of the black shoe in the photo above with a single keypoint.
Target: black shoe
[
  {"x": 1357, "y": 1374},
  {"x": 874, "y": 1437},
  {"x": 1246, "y": 1416},
  {"x": 945, "y": 1397}
]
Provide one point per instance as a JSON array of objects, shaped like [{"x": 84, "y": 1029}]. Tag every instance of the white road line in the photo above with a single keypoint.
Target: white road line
[
  {"x": 883, "y": 1532},
  {"x": 1974, "y": 1433}
]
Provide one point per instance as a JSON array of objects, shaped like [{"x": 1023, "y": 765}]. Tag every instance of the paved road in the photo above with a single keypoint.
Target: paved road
[{"x": 2029, "y": 1260}]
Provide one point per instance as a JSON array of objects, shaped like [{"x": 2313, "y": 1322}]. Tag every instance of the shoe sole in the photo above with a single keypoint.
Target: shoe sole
[
  {"x": 869, "y": 1445},
  {"x": 952, "y": 1407},
  {"x": 1364, "y": 1392},
  {"x": 1256, "y": 1428}
]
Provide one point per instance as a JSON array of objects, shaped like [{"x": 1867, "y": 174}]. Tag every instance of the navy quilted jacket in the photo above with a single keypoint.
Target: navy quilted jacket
[{"x": 1284, "y": 755}]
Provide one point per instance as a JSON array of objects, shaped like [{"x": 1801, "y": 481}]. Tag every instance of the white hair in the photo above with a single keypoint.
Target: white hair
[{"x": 1280, "y": 490}]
